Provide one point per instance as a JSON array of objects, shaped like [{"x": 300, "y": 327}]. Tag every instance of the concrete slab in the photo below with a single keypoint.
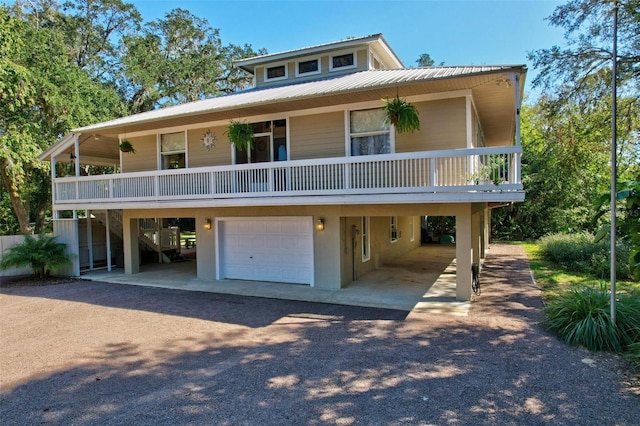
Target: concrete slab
[{"x": 421, "y": 281}]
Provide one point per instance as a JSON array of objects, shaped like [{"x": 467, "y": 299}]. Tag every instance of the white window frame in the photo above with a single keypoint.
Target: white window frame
[
  {"x": 393, "y": 229},
  {"x": 366, "y": 239},
  {"x": 346, "y": 67},
  {"x": 349, "y": 135},
  {"x": 286, "y": 72},
  {"x": 161, "y": 154},
  {"x": 304, "y": 74}
]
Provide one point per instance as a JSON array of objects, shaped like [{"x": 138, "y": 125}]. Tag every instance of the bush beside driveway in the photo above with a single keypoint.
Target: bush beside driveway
[{"x": 98, "y": 353}]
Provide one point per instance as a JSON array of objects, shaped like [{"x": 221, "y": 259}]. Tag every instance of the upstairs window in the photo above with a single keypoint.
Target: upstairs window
[
  {"x": 173, "y": 151},
  {"x": 343, "y": 61},
  {"x": 370, "y": 134},
  {"x": 278, "y": 72},
  {"x": 309, "y": 67}
]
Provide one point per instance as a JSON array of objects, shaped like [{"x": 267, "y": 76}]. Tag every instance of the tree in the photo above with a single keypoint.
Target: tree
[
  {"x": 177, "y": 59},
  {"x": 42, "y": 254},
  {"x": 567, "y": 132},
  {"x": 561, "y": 172},
  {"x": 43, "y": 95},
  {"x": 424, "y": 60},
  {"x": 589, "y": 38}
]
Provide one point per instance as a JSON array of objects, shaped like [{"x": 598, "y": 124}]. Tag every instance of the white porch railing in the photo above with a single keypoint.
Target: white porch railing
[{"x": 477, "y": 169}]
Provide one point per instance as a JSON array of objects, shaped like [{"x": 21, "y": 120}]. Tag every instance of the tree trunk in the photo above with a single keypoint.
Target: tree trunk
[{"x": 19, "y": 208}]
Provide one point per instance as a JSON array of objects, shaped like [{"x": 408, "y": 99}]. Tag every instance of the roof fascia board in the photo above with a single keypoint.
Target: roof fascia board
[{"x": 58, "y": 148}]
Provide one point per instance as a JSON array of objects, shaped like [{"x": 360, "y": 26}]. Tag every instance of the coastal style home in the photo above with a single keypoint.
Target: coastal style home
[{"x": 326, "y": 190}]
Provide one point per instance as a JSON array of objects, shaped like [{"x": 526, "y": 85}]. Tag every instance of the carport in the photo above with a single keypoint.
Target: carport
[{"x": 423, "y": 280}]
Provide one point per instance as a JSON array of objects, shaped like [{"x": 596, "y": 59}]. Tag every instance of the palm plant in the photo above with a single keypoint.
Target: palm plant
[{"x": 43, "y": 254}]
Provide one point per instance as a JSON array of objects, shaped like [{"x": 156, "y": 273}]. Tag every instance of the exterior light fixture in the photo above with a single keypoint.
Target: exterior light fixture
[
  {"x": 320, "y": 224},
  {"x": 207, "y": 224}
]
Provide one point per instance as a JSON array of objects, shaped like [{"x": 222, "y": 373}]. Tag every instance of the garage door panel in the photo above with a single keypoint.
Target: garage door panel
[{"x": 278, "y": 250}]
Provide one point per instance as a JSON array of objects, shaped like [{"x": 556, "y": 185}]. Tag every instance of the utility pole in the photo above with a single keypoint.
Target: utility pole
[{"x": 614, "y": 168}]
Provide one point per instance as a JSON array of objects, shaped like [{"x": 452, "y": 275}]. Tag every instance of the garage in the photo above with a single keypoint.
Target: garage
[{"x": 275, "y": 249}]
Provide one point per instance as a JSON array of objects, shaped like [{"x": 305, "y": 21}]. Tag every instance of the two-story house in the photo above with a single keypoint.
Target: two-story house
[{"x": 328, "y": 190}]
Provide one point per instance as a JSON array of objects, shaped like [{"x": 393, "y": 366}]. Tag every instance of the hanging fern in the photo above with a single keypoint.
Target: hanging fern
[
  {"x": 240, "y": 134},
  {"x": 402, "y": 115}
]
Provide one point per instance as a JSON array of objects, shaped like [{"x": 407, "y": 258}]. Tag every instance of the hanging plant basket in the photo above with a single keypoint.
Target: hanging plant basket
[
  {"x": 126, "y": 146},
  {"x": 402, "y": 115},
  {"x": 240, "y": 134}
]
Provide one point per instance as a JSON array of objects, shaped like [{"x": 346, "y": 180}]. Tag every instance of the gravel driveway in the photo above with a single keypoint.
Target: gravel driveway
[{"x": 97, "y": 353}]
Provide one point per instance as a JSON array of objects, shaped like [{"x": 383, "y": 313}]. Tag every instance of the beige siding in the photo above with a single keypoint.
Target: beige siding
[
  {"x": 382, "y": 250},
  {"x": 145, "y": 158},
  {"x": 219, "y": 155},
  {"x": 442, "y": 126},
  {"x": 317, "y": 136}
]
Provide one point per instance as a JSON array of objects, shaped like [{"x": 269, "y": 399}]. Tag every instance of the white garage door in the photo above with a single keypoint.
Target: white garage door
[{"x": 266, "y": 249}]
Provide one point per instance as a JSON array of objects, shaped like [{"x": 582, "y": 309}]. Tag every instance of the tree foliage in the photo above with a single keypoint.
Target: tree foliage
[
  {"x": 177, "y": 59},
  {"x": 589, "y": 40},
  {"x": 566, "y": 133},
  {"x": 85, "y": 61}
]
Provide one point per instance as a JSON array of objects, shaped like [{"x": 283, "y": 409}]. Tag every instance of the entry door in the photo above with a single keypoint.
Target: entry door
[{"x": 266, "y": 249}]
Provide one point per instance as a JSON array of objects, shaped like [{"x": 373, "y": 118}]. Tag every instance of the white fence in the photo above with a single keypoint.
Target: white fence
[
  {"x": 477, "y": 169},
  {"x": 6, "y": 242}
]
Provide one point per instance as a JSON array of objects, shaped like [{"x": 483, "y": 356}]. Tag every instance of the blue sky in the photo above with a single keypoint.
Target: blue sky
[{"x": 455, "y": 32}]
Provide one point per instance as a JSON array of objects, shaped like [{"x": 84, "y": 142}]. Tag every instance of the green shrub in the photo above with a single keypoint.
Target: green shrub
[
  {"x": 580, "y": 253},
  {"x": 43, "y": 254},
  {"x": 582, "y": 317},
  {"x": 633, "y": 353}
]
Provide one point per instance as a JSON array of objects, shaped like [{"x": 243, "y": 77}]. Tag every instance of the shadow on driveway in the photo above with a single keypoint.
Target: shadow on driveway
[{"x": 82, "y": 357}]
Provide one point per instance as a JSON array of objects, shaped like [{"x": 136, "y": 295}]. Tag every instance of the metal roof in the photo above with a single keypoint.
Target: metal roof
[{"x": 362, "y": 80}]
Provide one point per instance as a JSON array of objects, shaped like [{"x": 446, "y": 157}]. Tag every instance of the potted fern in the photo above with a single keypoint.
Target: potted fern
[
  {"x": 126, "y": 146},
  {"x": 240, "y": 134},
  {"x": 401, "y": 114}
]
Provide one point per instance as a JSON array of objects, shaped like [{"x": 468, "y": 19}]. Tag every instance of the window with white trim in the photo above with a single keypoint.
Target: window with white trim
[
  {"x": 308, "y": 67},
  {"x": 369, "y": 133},
  {"x": 173, "y": 151},
  {"x": 366, "y": 245},
  {"x": 275, "y": 73},
  {"x": 393, "y": 229},
  {"x": 342, "y": 61}
]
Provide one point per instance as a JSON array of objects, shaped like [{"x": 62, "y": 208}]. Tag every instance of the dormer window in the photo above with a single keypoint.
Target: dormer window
[
  {"x": 342, "y": 61},
  {"x": 278, "y": 72},
  {"x": 308, "y": 67}
]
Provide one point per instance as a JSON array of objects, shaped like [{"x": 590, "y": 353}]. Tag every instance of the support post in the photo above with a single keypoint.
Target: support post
[{"x": 464, "y": 253}]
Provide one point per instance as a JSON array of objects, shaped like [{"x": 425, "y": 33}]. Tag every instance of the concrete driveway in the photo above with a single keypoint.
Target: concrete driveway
[{"x": 92, "y": 353}]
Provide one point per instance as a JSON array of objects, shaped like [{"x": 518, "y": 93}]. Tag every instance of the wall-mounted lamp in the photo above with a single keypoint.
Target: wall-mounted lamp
[
  {"x": 320, "y": 224},
  {"x": 207, "y": 224},
  {"x": 72, "y": 156}
]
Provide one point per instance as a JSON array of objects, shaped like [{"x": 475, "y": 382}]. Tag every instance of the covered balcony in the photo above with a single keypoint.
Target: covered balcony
[{"x": 462, "y": 175}]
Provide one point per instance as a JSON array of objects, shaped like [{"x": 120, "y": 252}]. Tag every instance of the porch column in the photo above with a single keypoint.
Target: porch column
[
  {"x": 130, "y": 235},
  {"x": 90, "y": 240},
  {"x": 327, "y": 254},
  {"x": 464, "y": 253},
  {"x": 476, "y": 243}
]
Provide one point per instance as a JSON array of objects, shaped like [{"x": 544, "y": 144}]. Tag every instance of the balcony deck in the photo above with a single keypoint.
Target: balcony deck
[{"x": 464, "y": 175}]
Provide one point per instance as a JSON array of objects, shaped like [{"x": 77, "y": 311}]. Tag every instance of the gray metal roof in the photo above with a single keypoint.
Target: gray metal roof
[{"x": 343, "y": 84}]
